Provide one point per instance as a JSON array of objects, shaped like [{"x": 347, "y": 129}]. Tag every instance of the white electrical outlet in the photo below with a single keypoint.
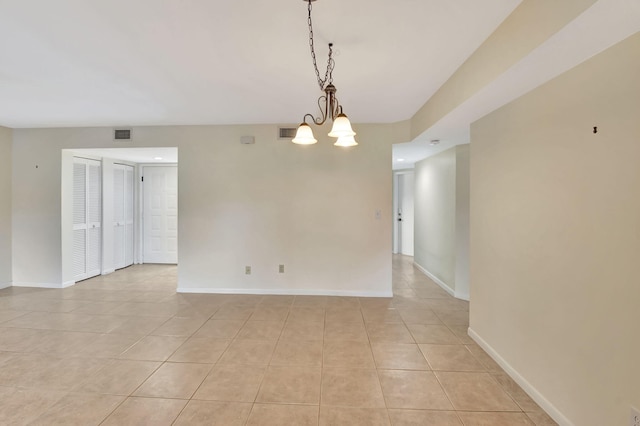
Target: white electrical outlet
[
  {"x": 634, "y": 418},
  {"x": 247, "y": 270}
]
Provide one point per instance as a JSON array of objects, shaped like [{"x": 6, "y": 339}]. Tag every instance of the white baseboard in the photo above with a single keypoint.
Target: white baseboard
[
  {"x": 5, "y": 285},
  {"x": 456, "y": 294},
  {"x": 284, "y": 291},
  {"x": 462, "y": 296},
  {"x": 549, "y": 408},
  {"x": 44, "y": 285},
  {"x": 108, "y": 271},
  {"x": 435, "y": 279}
]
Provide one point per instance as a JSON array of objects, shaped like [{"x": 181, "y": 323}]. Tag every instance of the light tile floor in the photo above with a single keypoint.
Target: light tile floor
[{"x": 125, "y": 349}]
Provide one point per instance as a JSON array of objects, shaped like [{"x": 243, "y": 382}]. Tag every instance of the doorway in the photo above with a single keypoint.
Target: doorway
[
  {"x": 102, "y": 209},
  {"x": 403, "y": 212}
]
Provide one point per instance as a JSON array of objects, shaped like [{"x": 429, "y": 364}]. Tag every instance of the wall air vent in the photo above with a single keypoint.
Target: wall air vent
[
  {"x": 247, "y": 140},
  {"x": 122, "y": 134},
  {"x": 286, "y": 132}
]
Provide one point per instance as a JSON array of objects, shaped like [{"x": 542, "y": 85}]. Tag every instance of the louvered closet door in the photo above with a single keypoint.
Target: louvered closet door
[
  {"x": 123, "y": 193},
  {"x": 79, "y": 220},
  {"x": 87, "y": 218},
  {"x": 94, "y": 219}
]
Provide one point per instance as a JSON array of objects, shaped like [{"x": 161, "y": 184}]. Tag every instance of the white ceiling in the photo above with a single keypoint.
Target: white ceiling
[{"x": 149, "y": 62}]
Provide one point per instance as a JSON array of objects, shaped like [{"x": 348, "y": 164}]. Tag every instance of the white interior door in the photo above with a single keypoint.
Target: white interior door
[
  {"x": 160, "y": 214},
  {"x": 118, "y": 217},
  {"x": 405, "y": 213},
  {"x": 123, "y": 193},
  {"x": 87, "y": 218}
]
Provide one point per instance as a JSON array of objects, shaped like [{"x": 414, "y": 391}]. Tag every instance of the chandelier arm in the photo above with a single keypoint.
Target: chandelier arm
[
  {"x": 335, "y": 107},
  {"x": 313, "y": 119},
  {"x": 325, "y": 113}
]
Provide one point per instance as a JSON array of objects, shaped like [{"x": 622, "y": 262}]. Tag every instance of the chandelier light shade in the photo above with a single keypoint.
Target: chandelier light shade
[
  {"x": 341, "y": 127},
  {"x": 328, "y": 103},
  {"x": 346, "y": 141},
  {"x": 304, "y": 135}
]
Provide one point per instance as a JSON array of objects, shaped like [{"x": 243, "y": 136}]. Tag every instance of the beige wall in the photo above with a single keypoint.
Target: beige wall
[
  {"x": 555, "y": 238},
  {"x": 462, "y": 221},
  {"x": 5, "y": 207},
  {"x": 441, "y": 217},
  {"x": 311, "y": 208},
  {"x": 434, "y": 216},
  {"x": 527, "y": 27}
]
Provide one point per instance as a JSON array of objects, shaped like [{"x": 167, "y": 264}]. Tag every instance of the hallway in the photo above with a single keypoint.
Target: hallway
[{"x": 126, "y": 349}]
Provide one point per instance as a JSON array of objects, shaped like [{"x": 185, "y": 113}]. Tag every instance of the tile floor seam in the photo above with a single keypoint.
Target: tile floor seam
[
  {"x": 446, "y": 394},
  {"x": 131, "y": 394},
  {"x": 492, "y": 377},
  {"x": 180, "y": 412},
  {"x": 113, "y": 411},
  {"x": 324, "y": 329},
  {"x": 264, "y": 375}
]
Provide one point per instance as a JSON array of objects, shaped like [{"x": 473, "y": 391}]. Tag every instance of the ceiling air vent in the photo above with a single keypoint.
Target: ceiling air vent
[
  {"x": 286, "y": 132},
  {"x": 122, "y": 134}
]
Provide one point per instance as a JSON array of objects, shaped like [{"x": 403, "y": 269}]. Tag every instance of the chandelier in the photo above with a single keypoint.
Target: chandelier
[{"x": 328, "y": 104}]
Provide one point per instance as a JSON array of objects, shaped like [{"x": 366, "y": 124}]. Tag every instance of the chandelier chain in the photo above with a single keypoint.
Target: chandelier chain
[
  {"x": 328, "y": 103},
  {"x": 328, "y": 76}
]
